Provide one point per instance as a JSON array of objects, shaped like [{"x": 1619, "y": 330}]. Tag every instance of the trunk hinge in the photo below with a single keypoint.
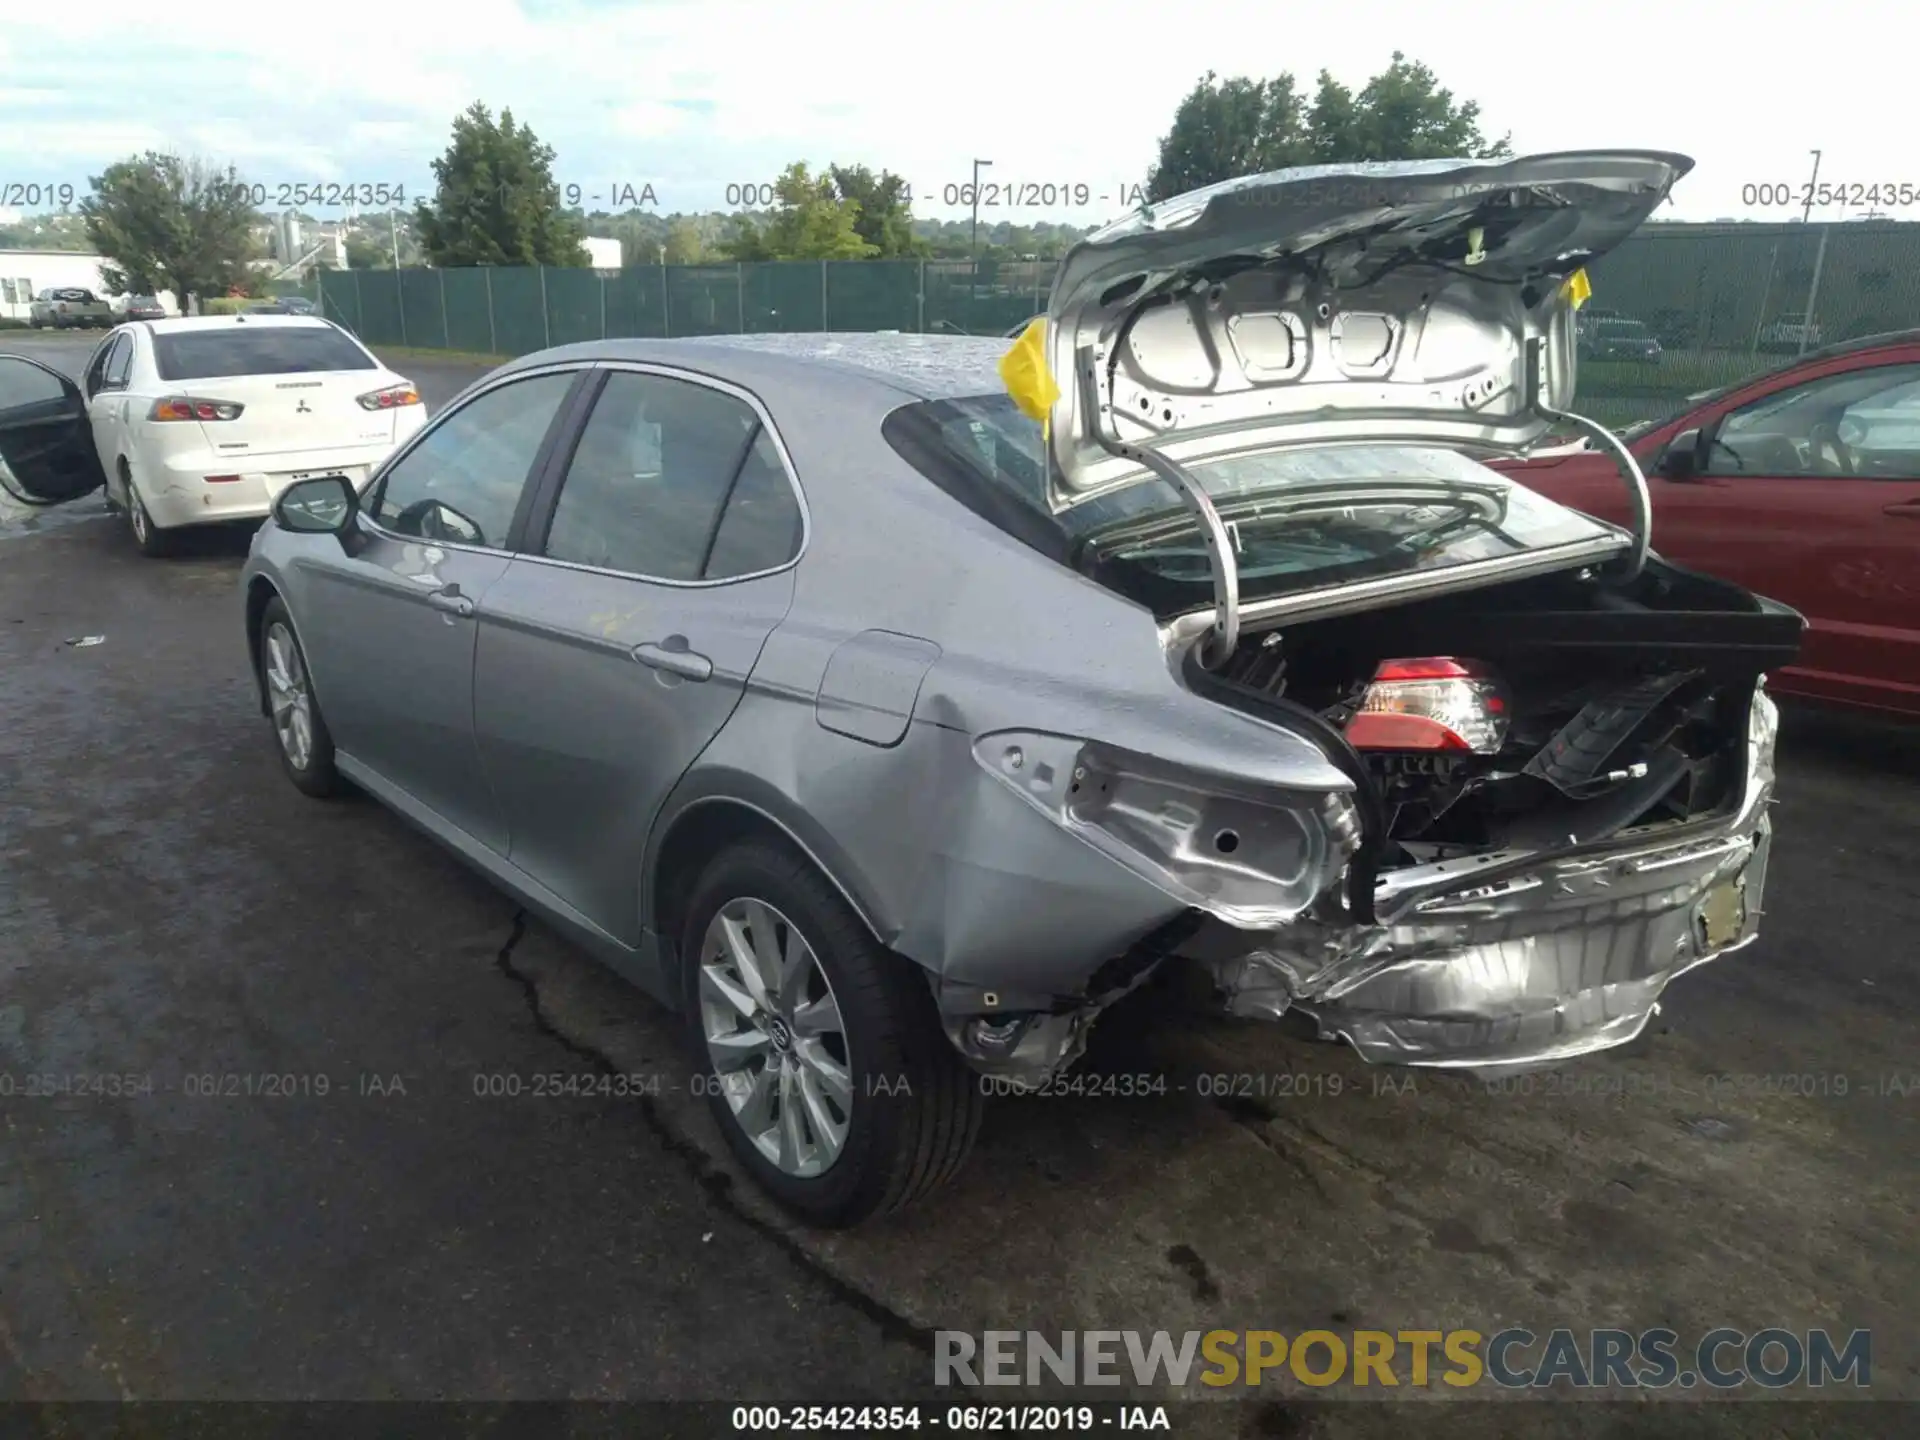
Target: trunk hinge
[
  {"x": 1641, "y": 503},
  {"x": 1222, "y": 548}
]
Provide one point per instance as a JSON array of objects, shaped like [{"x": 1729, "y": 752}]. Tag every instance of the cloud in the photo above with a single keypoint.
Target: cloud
[{"x": 694, "y": 95}]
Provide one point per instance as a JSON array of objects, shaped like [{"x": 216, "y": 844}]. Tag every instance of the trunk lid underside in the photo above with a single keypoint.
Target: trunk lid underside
[
  {"x": 1385, "y": 303},
  {"x": 1422, "y": 304}
]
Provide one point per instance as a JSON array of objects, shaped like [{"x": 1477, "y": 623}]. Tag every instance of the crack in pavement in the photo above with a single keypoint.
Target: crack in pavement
[
  {"x": 1292, "y": 1140},
  {"x": 710, "y": 1177}
]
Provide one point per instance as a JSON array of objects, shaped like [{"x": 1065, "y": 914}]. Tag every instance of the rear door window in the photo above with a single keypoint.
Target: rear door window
[
  {"x": 266, "y": 350},
  {"x": 761, "y": 527},
  {"x": 119, "y": 362},
  {"x": 675, "y": 481}
]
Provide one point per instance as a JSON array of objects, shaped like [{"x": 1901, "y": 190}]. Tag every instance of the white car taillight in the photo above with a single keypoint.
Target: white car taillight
[
  {"x": 390, "y": 398},
  {"x": 1437, "y": 703},
  {"x": 185, "y": 407}
]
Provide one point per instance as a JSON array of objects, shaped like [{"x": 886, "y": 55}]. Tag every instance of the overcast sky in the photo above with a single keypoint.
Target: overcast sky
[{"x": 692, "y": 96}]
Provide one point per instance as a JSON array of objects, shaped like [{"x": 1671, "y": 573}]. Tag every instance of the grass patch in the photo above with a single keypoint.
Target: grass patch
[{"x": 449, "y": 357}]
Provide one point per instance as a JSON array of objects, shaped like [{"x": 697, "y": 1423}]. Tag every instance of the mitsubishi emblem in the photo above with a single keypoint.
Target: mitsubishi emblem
[{"x": 301, "y": 409}]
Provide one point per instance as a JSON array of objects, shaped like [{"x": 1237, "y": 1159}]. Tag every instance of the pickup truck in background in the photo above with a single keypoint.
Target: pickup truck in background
[{"x": 70, "y": 308}]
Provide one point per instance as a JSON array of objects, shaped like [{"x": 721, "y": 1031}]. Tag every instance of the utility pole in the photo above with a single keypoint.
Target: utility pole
[
  {"x": 1813, "y": 290},
  {"x": 973, "y": 263},
  {"x": 978, "y": 165},
  {"x": 1807, "y": 214}
]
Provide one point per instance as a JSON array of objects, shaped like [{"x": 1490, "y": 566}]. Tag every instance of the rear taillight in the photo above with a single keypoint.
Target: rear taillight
[
  {"x": 185, "y": 407},
  {"x": 1437, "y": 703},
  {"x": 391, "y": 398}
]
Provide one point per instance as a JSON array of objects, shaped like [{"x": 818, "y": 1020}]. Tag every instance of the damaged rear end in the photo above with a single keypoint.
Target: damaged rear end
[
  {"x": 1564, "y": 787},
  {"x": 1275, "y": 395}
]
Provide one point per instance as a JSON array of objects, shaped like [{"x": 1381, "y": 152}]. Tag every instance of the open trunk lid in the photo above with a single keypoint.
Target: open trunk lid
[
  {"x": 1422, "y": 303},
  {"x": 1385, "y": 303}
]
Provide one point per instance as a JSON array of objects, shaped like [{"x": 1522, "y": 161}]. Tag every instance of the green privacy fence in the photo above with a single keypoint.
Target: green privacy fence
[
  {"x": 501, "y": 310},
  {"x": 1723, "y": 301}
]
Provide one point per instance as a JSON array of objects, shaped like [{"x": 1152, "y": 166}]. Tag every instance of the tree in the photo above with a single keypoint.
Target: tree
[
  {"x": 167, "y": 223},
  {"x": 363, "y": 254},
  {"x": 684, "y": 245},
  {"x": 1400, "y": 114},
  {"x": 58, "y": 231},
  {"x": 810, "y": 221},
  {"x": 1228, "y": 128},
  {"x": 495, "y": 200},
  {"x": 885, "y": 220}
]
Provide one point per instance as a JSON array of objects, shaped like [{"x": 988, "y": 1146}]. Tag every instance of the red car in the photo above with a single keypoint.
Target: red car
[{"x": 1802, "y": 485}]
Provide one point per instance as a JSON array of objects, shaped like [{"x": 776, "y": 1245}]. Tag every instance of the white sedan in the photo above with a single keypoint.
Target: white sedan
[{"x": 206, "y": 419}]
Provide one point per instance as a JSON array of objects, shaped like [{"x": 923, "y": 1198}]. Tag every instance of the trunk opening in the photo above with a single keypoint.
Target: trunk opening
[{"x": 1629, "y": 706}]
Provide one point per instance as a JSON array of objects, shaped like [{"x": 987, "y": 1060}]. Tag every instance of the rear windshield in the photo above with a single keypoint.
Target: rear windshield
[
  {"x": 270, "y": 350},
  {"x": 1305, "y": 518},
  {"x": 85, "y": 297}
]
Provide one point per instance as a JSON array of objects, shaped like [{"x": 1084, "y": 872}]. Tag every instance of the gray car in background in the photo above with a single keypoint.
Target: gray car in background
[{"x": 891, "y": 734}]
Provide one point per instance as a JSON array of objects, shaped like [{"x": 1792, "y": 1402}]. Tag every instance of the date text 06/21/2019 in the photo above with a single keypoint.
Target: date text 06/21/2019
[
  {"x": 836, "y": 1419},
  {"x": 991, "y": 194}
]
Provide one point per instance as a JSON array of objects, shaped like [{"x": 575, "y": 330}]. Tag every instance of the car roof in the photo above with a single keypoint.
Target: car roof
[{"x": 922, "y": 367}]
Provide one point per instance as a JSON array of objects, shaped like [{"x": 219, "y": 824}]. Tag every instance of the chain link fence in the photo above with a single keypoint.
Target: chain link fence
[{"x": 1677, "y": 310}]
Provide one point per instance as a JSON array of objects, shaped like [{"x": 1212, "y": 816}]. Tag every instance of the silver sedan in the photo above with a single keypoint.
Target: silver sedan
[{"x": 890, "y": 709}]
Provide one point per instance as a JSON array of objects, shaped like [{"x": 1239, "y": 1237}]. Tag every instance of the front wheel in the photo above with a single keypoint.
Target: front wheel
[
  {"x": 821, "y": 1052},
  {"x": 306, "y": 745}
]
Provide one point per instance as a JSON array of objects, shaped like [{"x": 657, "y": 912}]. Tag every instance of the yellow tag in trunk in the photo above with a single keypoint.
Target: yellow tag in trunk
[
  {"x": 1023, "y": 370},
  {"x": 1577, "y": 288}
]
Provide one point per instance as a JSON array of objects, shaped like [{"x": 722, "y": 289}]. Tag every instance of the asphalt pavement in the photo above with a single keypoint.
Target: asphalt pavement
[{"x": 315, "y": 1180}]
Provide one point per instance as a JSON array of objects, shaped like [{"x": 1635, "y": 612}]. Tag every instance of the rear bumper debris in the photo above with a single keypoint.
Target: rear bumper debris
[{"x": 1547, "y": 962}]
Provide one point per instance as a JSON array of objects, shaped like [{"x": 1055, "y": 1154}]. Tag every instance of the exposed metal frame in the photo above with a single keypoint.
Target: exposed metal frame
[
  {"x": 1222, "y": 563},
  {"x": 1640, "y": 501}
]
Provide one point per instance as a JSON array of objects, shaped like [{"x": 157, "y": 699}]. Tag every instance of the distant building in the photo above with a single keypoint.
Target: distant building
[{"x": 25, "y": 273}]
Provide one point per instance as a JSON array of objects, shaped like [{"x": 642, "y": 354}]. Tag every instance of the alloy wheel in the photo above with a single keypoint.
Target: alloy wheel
[
  {"x": 289, "y": 696},
  {"x": 775, "y": 1037},
  {"x": 137, "y": 516}
]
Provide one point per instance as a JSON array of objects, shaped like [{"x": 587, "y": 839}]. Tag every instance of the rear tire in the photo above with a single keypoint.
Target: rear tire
[
  {"x": 300, "y": 731},
  {"x": 154, "y": 542},
  {"x": 907, "y": 1108}
]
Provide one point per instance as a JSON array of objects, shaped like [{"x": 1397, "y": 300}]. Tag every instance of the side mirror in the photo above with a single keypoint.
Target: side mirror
[
  {"x": 1684, "y": 456},
  {"x": 321, "y": 506}
]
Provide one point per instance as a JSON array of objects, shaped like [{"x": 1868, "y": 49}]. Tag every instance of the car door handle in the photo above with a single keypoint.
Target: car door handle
[
  {"x": 451, "y": 601},
  {"x": 675, "y": 659},
  {"x": 1904, "y": 509}
]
